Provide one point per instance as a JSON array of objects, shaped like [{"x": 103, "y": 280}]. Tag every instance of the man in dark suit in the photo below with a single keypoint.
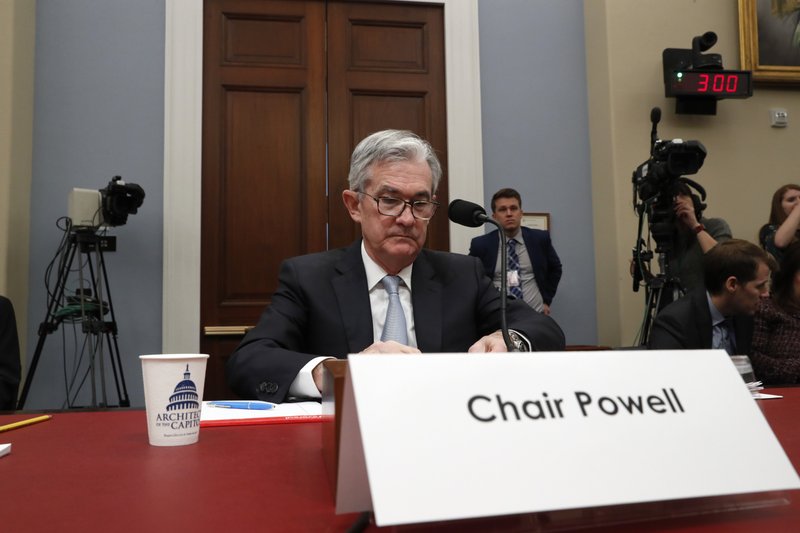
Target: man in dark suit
[
  {"x": 737, "y": 275},
  {"x": 534, "y": 268},
  {"x": 384, "y": 286},
  {"x": 9, "y": 356}
]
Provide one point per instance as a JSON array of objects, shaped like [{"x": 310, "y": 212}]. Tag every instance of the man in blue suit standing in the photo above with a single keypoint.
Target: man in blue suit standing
[{"x": 534, "y": 268}]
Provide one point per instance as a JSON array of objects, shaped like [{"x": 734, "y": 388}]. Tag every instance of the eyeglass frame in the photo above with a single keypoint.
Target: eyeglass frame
[{"x": 410, "y": 205}]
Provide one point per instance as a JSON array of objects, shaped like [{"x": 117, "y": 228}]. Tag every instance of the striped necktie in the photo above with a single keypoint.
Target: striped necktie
[
  {"x": 727, "y": 337},
  {"x": 513, "y": 264}
]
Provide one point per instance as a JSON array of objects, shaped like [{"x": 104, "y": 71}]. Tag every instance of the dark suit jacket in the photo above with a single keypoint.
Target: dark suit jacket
[
  {"x": 322, "y": 307},
  {"x": 9, "y": 356},
  {"x": 685, "y": 324},
  {"x": 545, "y": 261}
]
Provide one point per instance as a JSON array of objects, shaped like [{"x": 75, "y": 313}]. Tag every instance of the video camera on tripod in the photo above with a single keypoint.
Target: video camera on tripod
[
  {"x": 89, "y": 303},
  {"x": 658, "y": 180},
  {"x": 656, "y": 183}
]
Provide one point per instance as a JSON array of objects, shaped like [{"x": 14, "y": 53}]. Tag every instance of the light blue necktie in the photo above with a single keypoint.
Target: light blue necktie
[
  {"x": 513, "y": 264},
  {"x": 394, "y": 329},
  {"x": 727, "y": 338}
]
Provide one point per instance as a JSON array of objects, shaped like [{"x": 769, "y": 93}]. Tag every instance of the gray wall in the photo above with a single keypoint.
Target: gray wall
[
  {"x": 99, "y": 112},
  {"x": 535, "y": 135}
]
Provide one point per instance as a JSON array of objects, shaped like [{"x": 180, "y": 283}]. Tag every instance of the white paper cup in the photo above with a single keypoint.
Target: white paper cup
[{"x": 173, "y": 396}]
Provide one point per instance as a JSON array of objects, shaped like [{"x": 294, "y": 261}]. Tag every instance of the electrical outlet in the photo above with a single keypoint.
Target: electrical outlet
[{"x": 779, "y": 118}]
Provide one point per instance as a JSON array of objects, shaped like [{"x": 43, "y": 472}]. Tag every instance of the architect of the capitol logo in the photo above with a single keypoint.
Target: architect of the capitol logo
[
  {"x": 185, "y": 395},
  {"x": 183, "y": 409}
]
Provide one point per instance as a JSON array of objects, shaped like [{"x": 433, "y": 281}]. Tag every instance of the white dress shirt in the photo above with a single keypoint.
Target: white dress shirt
[{"x": 530, "y": 287}]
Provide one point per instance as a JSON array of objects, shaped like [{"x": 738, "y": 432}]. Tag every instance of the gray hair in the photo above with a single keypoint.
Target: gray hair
[{"x": 391, "y": 146}]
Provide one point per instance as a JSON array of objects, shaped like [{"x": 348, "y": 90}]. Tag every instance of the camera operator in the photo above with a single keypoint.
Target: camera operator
[{"x": 694, "y": 236}]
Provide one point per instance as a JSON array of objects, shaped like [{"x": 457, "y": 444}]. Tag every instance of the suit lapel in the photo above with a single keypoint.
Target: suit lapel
[
  {"x": 531, "y": 243},
  {"x": 426, "y": 296},
  {"x": 350, "y": 287},
  {"x": 704, "y": 327},
  {"x": 494, "y": 247}
]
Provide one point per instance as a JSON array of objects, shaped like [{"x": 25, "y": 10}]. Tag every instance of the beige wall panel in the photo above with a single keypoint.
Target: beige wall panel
[
  {"x": 17, "y": 23},
  {"x": 747, "y": 159}
]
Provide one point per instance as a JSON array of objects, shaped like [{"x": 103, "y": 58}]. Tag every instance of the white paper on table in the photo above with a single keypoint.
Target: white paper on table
[{"x": 280, "y": 410}]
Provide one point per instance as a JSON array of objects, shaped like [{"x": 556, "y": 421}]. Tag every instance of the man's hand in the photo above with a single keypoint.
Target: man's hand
[
  {"x": 684, "y": 210},
  {"x": 377, "y": 347},
  {"x": 389, "y": 347},
  {"x": 489, "y": 343},
  {"x": 316, "y": 375},
  {"x": 546, "y": 309}
]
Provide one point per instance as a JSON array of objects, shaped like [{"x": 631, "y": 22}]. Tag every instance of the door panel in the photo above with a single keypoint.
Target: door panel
[
  {"x": 264, "y": 188},
  {"x": 268, "y": 136},
  {"x": 385, "y": 70}
]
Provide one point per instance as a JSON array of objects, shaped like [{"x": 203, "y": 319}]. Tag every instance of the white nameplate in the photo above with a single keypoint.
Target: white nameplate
[{"x": 449, "y": 436}]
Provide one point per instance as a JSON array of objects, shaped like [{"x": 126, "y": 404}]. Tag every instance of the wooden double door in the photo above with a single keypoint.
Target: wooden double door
[{"x": 289, "y": 88}]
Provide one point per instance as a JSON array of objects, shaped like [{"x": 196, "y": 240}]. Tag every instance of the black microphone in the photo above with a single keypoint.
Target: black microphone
[
  {"x": 655, "y": 118},
  {"x": 467, "y": 214},
  {"x": 655, "y": 115},
  {"x": 473, "y": 216}
]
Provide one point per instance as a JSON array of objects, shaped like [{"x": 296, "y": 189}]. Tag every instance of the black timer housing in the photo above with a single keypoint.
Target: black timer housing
[
  {"x": 697, "y": 80},
  {"x": 717, "y": 83}
]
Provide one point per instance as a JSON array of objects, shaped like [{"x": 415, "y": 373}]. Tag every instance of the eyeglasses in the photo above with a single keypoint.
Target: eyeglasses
[{"x": 394, "y": 207}]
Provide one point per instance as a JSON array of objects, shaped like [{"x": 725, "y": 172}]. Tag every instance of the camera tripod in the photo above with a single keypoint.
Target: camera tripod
[
  {"x": 660, "y": 291},
  {"x": 88, "y": 308}
]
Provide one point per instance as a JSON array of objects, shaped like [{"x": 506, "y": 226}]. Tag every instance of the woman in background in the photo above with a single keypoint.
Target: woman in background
[
  {"x": 776, "y": 338},
  {"x": 784, "y": 221}
]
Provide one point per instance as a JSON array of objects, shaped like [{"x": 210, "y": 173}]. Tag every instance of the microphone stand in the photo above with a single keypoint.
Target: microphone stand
[
  {"x": 474, "y": 216},
  {"x": 503, "y": 285}
]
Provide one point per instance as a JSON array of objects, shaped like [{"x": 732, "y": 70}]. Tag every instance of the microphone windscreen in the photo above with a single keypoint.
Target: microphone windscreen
[
  {"x": 655, "y": 115},
  {"x": 466, "y": 213}
]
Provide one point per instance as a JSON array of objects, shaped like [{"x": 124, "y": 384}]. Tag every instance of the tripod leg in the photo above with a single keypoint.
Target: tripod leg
[
  {"x": 113, "y": 349},
  {"x": 26, "y": 387},
  {"x": 99, "y": 353},
  {"x": 113, "y": 346},
  {"x": 109, "y": 328},
  {"x": 653, "y": 300},
  {"x": 50, "y": 323}
]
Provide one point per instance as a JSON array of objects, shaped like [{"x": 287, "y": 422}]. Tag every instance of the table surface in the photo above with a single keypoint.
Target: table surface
[{"x": 95, "y": 471}]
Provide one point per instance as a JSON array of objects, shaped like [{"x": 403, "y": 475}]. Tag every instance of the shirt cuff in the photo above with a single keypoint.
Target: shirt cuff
[{"x": 303, "y": 385}]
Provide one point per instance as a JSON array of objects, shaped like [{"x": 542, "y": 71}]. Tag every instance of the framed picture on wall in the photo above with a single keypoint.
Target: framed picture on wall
[
  {"x": 536, "y": 220},
  {"x": 769, "y": 40}
]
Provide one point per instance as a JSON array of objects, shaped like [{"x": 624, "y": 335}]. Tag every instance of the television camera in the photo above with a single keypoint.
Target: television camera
[
  {"x": 656, "y": 183},
  {"x": 104, "y": 207}
]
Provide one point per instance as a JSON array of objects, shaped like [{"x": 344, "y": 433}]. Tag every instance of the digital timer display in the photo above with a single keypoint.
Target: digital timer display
[{"x": 719, "y": 84}]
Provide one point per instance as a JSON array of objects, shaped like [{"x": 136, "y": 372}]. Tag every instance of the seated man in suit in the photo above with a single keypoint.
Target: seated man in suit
[
  {"x": 9, "y": 356},
  {"x": 385, "y": 293},
  {"x": 534, "y": 268},
  {"x": 737, "y": 275}
]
